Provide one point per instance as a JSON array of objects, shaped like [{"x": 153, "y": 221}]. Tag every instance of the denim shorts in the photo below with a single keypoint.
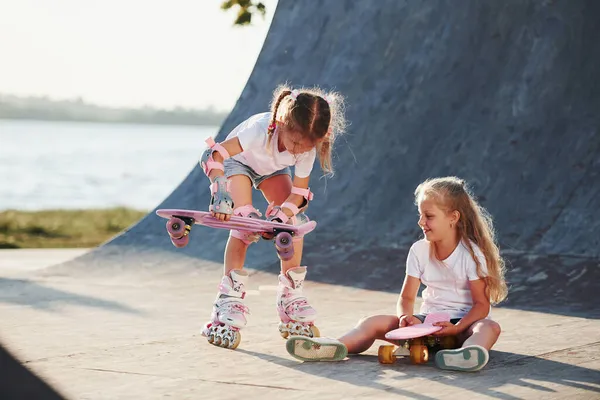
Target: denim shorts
[{"x": 234, "y": 167}]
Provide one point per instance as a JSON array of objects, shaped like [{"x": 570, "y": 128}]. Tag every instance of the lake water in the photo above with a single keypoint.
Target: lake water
[{"x": 73, "y": 165}]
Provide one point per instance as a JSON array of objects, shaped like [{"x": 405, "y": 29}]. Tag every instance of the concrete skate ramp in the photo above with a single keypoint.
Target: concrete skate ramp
[{"x": 504, "y": 94}]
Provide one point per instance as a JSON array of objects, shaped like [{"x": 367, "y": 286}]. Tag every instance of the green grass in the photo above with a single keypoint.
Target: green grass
[{"x": 63, "y": 228}]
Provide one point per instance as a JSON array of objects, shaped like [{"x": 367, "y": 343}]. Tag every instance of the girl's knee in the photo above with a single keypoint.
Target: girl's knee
[
  {"x": 486, "y": 324},
  {"x": 364, "y": 321},
  {"x": 495, "y": 327}
]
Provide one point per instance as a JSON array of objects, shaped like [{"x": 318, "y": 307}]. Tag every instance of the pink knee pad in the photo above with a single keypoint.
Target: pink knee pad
[{"x": 246, "y": 237}]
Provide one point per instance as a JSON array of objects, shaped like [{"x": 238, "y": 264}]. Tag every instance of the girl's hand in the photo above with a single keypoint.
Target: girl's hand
[
  {"x": 408, "y": 320},
  {"x": 448, "y": 329},
  {"x": 221, "y": 217}
]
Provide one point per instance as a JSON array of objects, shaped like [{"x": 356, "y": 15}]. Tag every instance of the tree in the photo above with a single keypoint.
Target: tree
[{"x": 246, "y": 9}]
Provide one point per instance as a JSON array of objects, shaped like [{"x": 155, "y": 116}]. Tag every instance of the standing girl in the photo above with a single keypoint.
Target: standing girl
[
  {"x": 459, "y": 263},
  {"x": 301, "y": 126}
]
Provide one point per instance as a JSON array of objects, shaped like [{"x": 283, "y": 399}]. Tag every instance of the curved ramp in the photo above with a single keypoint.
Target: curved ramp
[{"x": 503, "y": 94}]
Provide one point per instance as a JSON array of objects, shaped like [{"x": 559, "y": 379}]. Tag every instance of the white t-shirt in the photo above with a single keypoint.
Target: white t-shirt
[
  {"x": 447, "y": 284},
  {"x": 253, "y": 137}
]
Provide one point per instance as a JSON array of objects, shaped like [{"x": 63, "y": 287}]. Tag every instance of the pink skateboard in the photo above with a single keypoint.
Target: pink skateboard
[
  {"x": 416, "y": 340},
  {"x": 180, "y": 223}
]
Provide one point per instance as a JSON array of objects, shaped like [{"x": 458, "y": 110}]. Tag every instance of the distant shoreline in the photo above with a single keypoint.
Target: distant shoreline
[
  {"x": 104, "y": 122},
  {"x": 77, "y": 110}
]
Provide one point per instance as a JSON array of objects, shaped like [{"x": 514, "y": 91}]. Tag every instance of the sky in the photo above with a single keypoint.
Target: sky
[{"x": 128, "y": 53}]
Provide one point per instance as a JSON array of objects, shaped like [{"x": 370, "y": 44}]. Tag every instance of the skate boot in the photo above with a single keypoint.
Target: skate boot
[
  {"x": 296, "y": 314},
  {"x": 229, "y": 312}
]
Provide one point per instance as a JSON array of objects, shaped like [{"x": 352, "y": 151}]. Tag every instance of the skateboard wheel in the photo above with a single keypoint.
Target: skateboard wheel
[
  {"x": 283, "y": 241},
  {"x": 284, "y": 246},
  {"x": 176, "y": 227},
  {"x": 385, "y": 354},
  {"x": 181, "y": 241},
  {"x": 419, "y": 354},
  {"x": 286, "y": 254}
]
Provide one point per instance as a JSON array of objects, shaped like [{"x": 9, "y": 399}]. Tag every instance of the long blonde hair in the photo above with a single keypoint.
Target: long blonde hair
[
  {"x": 316, "y": 114},
  {"x": 474, "y": 225}
]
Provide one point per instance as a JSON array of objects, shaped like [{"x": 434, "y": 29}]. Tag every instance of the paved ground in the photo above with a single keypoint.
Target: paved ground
[{"x": 136, "y": 336}]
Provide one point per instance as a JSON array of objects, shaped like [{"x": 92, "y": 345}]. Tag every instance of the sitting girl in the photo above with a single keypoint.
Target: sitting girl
[{"x": 459, "y": 263}]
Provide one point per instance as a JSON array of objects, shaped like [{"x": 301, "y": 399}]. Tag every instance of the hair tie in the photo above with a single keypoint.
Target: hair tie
[{"x": 294, "y": 94}]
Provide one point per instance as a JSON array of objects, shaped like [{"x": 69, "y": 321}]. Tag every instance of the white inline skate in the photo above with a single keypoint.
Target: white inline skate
[
  {"x": 297, "y": 316},
  {"x": 229, "y": 311}
]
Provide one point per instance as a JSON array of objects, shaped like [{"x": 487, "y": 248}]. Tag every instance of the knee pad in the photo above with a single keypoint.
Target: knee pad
[{"x": 250, "y": 212}]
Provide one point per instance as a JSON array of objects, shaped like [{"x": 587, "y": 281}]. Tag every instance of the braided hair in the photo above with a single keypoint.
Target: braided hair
[{"x": 317, "y": 115}]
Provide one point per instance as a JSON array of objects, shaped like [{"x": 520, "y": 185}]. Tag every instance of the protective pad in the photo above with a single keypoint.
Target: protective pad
[{"x": 221, "y": 201}]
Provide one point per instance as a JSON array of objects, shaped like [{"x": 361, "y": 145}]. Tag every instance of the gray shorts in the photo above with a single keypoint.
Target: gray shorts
[
  {"x": 234, "y": 167},
  {"x": 421, "y": 317}
]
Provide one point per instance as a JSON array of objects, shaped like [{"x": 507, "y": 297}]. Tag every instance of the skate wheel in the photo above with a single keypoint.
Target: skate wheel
[
  {"x": 284, "y": 246},
  {"x": 286, "y": 255},
  {"x": 284, "y": 334},
  {"x": 386, "y": 355},
  {"x": 211, "y": 339},
  {"x": 315, "y": 331},
  {"x": 180, "y": 242},
  {"x": 419, "y": 354},
  {"x": 236, "y": 341},
  {"x": 176, "y": 227},
  {"x": 284, "y": 240}
]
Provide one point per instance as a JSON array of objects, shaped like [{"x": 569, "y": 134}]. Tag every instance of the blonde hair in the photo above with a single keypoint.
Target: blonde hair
[
  {"x": 474, "y": 224},
  {"x": 316, "y": 114}
]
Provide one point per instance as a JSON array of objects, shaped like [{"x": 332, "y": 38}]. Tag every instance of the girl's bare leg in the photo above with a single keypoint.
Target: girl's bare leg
[
  {"x": 367, "y": 331},
  {"x": 296, "y": 314},
  {"x": 474, "y": 353},
  {"x": 484, "y": 333},
  {"x": 277, "y": 189},
  {"x": 229, "y": 311},
  {"x": 235, "y": 251}
]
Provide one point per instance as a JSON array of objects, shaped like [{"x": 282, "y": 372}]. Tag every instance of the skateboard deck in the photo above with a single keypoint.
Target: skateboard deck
[
  {"x": 180, "y": 223},
  {"x": 419, "y": 330},
  {"x": 253, "y": 225}
]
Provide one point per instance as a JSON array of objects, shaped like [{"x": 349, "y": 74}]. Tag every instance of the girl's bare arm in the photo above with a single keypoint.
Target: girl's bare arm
[
  {"x": 481, "y": 305},
  {"x": 408, "y": 294}
]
